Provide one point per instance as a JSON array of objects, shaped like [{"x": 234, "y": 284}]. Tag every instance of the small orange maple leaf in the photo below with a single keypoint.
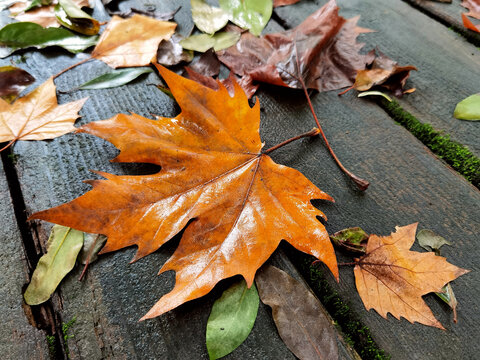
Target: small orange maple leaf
[
  {"x": 37, "y": 116},
  {"x": 213, "y": 171},
  {"x": 392, "y": 279}
]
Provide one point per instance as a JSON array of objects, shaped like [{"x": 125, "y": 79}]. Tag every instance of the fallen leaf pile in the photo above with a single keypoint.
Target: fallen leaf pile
[
  {"x": 392, "y": 279},
  {"x": 213, "y": 171}
]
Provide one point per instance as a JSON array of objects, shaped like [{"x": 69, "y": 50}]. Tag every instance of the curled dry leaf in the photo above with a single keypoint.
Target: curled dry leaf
[
  {"x": 74, "y": 18},
  {"x": 384, "y": 72},
  {"x": 325, "y": 44},
  {"x": 44, "y": 15},
  {"x": 37, "y": 116},
  {"x": 299, "y": 316},
  {"x": 213, "y": 171},
  {"x": 12, "y": 82},
  {"x": 133, "y": 41},
  {"x": 392, "y": 279},
  {"x": 352, "y": 239}
]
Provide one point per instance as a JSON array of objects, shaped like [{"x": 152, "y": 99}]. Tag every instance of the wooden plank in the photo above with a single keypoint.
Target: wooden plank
[
  {"x": 108, "y": 304},
  {"x": 449, "y": 67},
  {"x": 20, "y": 340},
  {"x": 448, "y": 14}
]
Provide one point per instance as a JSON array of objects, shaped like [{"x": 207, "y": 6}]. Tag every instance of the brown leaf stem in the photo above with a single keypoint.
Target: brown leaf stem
[
  {"x": 72, "y": 66},
  {"x": 361, "y": 183},
  {"x": 312, "y": 132},
  {"x": 87, "y": 262}
]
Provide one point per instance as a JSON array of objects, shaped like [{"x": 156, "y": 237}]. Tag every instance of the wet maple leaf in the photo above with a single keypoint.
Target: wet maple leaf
[
  {"x": 392, "y": 279},
  {"x": 213, "y": 171},
  {"x": 325, "y": 44},
  {"x": 37, "y": 116},
  {"x": 133, "y": 41}
]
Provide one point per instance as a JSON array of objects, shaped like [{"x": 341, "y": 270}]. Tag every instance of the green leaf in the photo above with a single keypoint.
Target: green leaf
[
  {"x": 208, "y": 19},
  {"x": 203, "y": 42},
  {"x": 375, "y": 93},
  {"x": 469, "y": 108},
  {"x": 22, "y": 35},
  {"x": 72, "y": 17},
  {"x": 63, "y": 246},
  {"x": 252, "y": 15},
  {"x": 231, "y": 319},
  {"x": 114, "y": 78},
  {"x": 37, "y": 3},
  {"x": 430, "y": 241},
  {"x": 92, "y": 244}
]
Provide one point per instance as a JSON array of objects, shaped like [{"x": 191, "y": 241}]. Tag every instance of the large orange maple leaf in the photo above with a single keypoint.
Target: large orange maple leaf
[
  {"x": 392, "y": 279},
  {"x": 213, "y": 171}
]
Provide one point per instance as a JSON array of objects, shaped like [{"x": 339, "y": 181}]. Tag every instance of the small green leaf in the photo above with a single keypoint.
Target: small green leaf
[
  {"x": 469, "y": 108},
  {"x": 114, "y": 78},
  {"x": 375, "y": 93},
  {"x": 208, "y": 19},
  {"x": 252, "y": 15},
  {"x": 92, "y": 243},
  {"x": 231, "y": 320},
  {"x": 203, "y": 42},
  {"x": 430, "y": 241},
  {"x": 22, "y": 35},
  {"x": 72, "y": 17},
  {"x": 37, "y": 3},
  {"x": 63, "y": 246}
]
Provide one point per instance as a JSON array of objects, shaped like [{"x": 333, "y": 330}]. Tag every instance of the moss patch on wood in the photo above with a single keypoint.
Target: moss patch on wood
[
  {"x": 458, "y": 156},
  {"x": 355, "y": 333}
]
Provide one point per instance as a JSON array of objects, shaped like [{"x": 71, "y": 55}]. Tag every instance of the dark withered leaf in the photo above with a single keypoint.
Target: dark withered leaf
[
  {"x": 299, "y": 316},
  {"x": 12, "y": 81},
  {"x": 170, "y": 52},
  {"x": 207, "y": 64},
  {"x": 325, "y": 44}
]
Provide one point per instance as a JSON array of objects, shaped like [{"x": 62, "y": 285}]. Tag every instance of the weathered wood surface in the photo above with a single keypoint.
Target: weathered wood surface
[
  {"x": 408, "y": 184},
  {"x": 19, "y": 340},
  {"x": 449, "y": 66},
  {"x": 448, "y": 14}
]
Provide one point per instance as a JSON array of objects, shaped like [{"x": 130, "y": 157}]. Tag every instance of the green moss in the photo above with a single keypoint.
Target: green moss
[
  {"x": 51, "y": 346},
  {"x": 455, "y": 154},
  {"x": 355, "y": 333},
  {"x": 66, "y": 331}
]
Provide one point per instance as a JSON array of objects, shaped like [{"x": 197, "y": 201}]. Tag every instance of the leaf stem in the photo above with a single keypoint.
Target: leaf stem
[
  {"x": 9, "y": 144},
  {"x": 361, "y": 183},
  {"x": 87, "y": 261},
  {"x": 310, "y": 133},
  {"x": 72, "y": 66}
]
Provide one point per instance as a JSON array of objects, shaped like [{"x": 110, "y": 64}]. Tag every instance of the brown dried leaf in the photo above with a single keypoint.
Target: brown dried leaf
[
  {"x": 299, "y": 316},
  {"x": 38, "y": 116},
  {"x": 474, "y": 8},
  {"x": 392, "y": 279},
  {"x": 277, "y": 3},
  {"x": 384, "y": 72},
  {"x": 326, "y": 46},
  {"x": 12, "y": 82},
  {"x": 133, "y": 41}
]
